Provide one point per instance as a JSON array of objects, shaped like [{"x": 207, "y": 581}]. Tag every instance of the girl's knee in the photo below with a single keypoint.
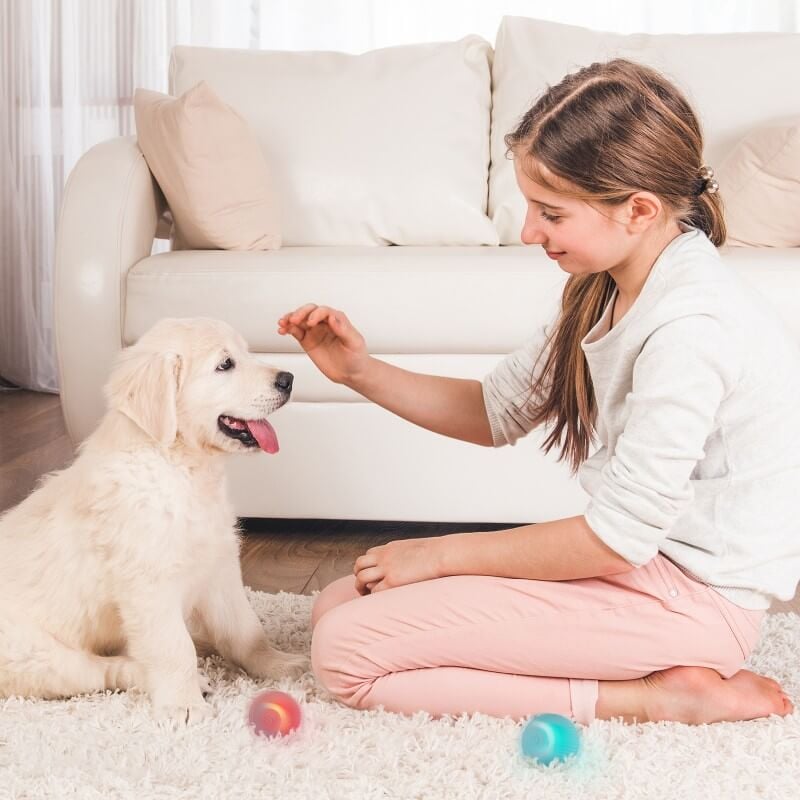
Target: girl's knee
[
  {"x": 334, "y": 594},
  {"x": 332, "y": 657}
]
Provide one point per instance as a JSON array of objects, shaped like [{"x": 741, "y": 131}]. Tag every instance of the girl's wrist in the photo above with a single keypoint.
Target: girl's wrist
[
  {"x": 362, "y": 381},
  {"x": 456, "y": 553}
]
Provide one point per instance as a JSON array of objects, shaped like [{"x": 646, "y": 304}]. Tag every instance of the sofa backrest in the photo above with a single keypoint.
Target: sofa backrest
[
  {"x": 393, "y": 146},
  {"x": 387, "y": 147},
  {"x": 734, "y": 81}
]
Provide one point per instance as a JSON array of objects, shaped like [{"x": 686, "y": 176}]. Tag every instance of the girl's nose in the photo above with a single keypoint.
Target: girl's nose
[{"x": 532, "y": 234}]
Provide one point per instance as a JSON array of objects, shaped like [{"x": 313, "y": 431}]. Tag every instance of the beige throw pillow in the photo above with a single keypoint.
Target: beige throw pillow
[
  {"x": 211, "y": 169},
  {"x": 760, "y": 186}
]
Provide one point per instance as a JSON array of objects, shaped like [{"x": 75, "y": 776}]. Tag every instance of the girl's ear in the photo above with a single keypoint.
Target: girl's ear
[
  {"x": 644, "y": 208},
  {"x": 144, "y": 387}
]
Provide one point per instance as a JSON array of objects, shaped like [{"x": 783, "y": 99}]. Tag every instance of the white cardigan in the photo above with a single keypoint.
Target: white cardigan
[{"x": 698, "y": 396}]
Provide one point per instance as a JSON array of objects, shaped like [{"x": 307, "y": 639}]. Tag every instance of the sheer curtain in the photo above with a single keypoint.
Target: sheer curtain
[{"x": 69, "y": 68}]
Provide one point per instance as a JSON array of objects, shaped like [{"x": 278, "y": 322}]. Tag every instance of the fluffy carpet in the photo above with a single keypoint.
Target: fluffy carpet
[{"x": 108, "y": 746}]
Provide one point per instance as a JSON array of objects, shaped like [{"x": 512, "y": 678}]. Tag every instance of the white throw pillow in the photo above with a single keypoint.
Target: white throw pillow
[
  {"x": 734, "y": 81},
  {"x": 387, "y": 147}
]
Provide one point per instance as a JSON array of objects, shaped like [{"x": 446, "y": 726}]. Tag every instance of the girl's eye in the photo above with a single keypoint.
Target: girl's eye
[
  {"x": 228, "y": 363},
  {"x": 550, "y": 217}
]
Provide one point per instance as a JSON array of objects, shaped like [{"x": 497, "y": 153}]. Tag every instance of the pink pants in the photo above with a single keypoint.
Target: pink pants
[{"x": 515, "y": 647}]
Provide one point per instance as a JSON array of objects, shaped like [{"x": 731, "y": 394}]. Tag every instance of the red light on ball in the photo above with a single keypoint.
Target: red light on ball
[{"x": 274, "y": 713}]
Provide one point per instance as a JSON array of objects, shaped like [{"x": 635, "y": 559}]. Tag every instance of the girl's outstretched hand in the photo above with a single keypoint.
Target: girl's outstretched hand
[
  {"x": 398, "y": 563},
  {"x": 329, "y": 338}
]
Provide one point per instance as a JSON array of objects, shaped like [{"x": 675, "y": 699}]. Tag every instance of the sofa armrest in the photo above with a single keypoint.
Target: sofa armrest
[{"x": 107, "y": 224}]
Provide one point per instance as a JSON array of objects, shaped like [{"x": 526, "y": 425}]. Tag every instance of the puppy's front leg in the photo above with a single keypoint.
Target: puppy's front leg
[
  {"x": 237, "y": 632},
  {"x": 158, "y": 639}
]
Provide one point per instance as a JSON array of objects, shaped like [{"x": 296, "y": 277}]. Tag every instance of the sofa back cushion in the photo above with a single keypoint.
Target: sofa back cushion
[
  {"x": 387, "y": 147},
  {"x": 734, "y": 81}
]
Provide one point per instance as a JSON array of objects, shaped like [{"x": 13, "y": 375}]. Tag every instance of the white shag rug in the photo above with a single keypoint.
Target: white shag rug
[{"x": 109, "y": 746}]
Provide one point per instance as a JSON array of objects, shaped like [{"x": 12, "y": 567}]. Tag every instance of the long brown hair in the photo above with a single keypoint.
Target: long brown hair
[{"x": 606, "y": 131}]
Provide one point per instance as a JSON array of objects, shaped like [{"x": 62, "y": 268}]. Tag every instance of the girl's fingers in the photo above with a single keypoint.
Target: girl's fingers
[
  {"x": 364, "y": 561},
  {"x": 298, "y": 315},
  {"x": 297, "y": 332},
  {"x": 369, "y": 575},
  {"x": 310, "y": 314},
  {"x": 319, "y": 314},
  {"x": 304, "y": 310},
  {"x": 316, "y": 315}
]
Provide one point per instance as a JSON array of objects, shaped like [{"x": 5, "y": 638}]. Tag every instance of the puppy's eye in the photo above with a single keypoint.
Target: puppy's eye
[{"x": 227, "y": 364}]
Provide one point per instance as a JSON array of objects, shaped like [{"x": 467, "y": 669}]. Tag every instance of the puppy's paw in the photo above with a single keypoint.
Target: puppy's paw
[
  {"x": 182, "y": 704},
  {"x": 283, "y": 665},
  {"x": 183, "y": 714}
]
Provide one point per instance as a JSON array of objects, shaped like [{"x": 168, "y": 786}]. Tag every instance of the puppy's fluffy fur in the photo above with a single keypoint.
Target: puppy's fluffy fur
[{"x": 113, "y": 569}]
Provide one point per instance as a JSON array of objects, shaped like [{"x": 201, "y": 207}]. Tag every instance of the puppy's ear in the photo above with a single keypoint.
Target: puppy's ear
[{"x": 144, "y": 387}]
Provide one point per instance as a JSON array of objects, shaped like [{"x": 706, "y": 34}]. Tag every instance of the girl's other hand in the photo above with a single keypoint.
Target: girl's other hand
[{"x": 398, "y": 563}]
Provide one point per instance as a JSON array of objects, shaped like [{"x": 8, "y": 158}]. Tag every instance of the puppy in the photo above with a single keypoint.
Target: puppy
[{"x": 114, "y": 568}]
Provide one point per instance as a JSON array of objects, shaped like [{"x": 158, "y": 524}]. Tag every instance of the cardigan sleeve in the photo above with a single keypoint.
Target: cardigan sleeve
[{"x": 508, "y": 389}]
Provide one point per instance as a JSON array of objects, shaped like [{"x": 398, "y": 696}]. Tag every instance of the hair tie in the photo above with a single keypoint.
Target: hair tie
[{"x": 706, "y": 182}]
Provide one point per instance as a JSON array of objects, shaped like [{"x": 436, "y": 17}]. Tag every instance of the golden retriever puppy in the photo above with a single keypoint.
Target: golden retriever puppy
[{"x": 113, "y": 568}]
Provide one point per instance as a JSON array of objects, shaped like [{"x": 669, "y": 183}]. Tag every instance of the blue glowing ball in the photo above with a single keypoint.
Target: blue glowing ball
[{"x": 550, "y": 737}]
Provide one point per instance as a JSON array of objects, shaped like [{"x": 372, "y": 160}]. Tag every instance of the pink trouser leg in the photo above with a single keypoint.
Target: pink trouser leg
[{"x": 513, "y": 647}]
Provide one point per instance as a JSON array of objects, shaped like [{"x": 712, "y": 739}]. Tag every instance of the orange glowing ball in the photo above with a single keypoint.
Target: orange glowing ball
[{"x": 274, "y": 713}]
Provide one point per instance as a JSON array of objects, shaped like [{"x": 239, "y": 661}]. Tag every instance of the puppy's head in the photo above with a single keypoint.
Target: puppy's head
[{"x": 195, "y": 380}]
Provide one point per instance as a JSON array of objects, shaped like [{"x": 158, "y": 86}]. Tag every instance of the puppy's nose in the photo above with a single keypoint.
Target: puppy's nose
[{"x": 283, "y": 380}]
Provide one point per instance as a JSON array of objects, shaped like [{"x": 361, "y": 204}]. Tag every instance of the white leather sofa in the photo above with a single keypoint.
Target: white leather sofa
[{"x": 400, "y": 208}]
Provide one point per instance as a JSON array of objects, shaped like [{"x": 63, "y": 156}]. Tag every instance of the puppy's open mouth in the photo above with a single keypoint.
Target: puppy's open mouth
[{"x": 250, "y": 432}]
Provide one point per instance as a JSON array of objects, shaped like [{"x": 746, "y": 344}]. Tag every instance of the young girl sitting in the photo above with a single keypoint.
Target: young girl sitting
[{"x": 646, "y": 606}]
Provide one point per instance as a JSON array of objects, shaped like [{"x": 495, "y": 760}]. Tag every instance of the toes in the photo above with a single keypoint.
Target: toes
[
  {"x": 205, "y": 684},
  {"x": 183, "y": 714}
]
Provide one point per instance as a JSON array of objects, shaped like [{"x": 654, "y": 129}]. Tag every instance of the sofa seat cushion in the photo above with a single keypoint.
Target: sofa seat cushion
[
  {"x": 402, "y": 299},
  {"x": 440, "y": 310}
]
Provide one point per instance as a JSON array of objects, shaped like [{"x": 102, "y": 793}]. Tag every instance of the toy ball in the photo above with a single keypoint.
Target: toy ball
[
  {"x": 550, "y": 737},
  {"x": 274, "y": 713}
]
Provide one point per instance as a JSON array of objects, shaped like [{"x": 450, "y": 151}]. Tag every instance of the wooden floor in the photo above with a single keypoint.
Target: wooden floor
[{"x": 298, "y": 556}]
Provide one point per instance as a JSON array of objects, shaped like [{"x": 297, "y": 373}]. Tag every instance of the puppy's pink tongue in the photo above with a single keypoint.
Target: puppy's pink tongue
[{"x": 264, "y": 434}]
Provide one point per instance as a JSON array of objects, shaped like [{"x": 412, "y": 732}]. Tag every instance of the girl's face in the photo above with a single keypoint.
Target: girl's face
[{"x": 582, "y": 239}]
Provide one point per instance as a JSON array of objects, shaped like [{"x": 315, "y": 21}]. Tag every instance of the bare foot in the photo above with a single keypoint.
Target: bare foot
[{"x": 694, "y": 695}]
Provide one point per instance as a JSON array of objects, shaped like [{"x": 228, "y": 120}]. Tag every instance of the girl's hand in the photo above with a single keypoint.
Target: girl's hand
[
  {"x": 332, "y": 343},
  {"x": 398, "y": 563}
]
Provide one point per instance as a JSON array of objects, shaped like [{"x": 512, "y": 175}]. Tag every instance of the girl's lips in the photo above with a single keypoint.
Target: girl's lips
[{"x": 554, "y": 253}]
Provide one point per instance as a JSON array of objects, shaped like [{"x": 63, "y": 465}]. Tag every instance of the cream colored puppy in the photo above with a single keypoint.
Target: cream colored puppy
[{"x": 113, "y": 568}]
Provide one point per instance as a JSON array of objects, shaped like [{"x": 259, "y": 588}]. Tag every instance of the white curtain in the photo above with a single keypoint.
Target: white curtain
[{"x": 69, "y": 68}]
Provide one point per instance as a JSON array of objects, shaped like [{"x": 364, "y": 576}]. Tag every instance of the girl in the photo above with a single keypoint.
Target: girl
[{"x": 645, "y": 606}]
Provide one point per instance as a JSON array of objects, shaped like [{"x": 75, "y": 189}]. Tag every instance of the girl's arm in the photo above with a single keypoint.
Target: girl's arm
[
  {"x": 450, "y": 406},
  {"x": 550, "y": 551},
  {"x": 562, "y": 550}
]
